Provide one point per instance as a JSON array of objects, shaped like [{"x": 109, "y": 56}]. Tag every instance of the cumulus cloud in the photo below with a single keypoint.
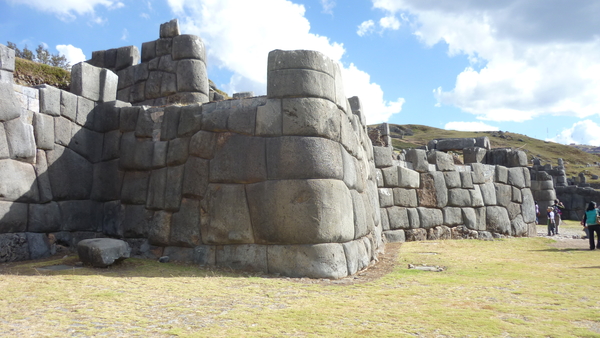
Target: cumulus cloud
[
  {"x": 529, "y": 58},
  {"x": 582, "y": 132},
  {"x": 389, "y": 22},
  {"x": 239, "y": 35},
  {"x": 469, "y": 126},
  {"x": 73, "y": 54},
  {"x": 365, "y": 28},
  {"x": 68, "y": 9}
]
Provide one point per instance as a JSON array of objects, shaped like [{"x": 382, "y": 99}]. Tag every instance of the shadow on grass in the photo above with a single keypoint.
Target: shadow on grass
[{"x": 131, "y": 267}]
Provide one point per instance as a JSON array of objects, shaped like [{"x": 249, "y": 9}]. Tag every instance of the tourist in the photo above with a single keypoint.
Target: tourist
[
  {"x": 558, "y": 210},
  {"x": 590, "y": 222},
  {"x": 551, "y": 220},
  {"x": 537, "y": 213}
]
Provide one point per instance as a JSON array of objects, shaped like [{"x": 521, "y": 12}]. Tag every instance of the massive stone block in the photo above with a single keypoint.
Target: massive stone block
[
  {"x": 398, "y": 218},
  {"x": 452, "y": 179},
  {"x": 497, "y": 220},
  {"x": 408, "y": 178},
  {"x": 50, "y": 100},
  {"x": 107, "y": 181},
  {"x": 459, "y": 197},
  {"x": 418, "y": 158},
  {"x": 441, "y": 160},
  {"x": 135, "y": 187},
  {"x": 474, "y": 155},
  {"x": 86, "y": 143},
  {"x": 13, "y": 217},
  {"x": 356, "y": 256},
  {"x": 433, "y": 191},
  {"x": 238, "y": 159},
  {"x": 243, "y": 256},
  {"x": 405, "y": 197},
  {"x": 191, "y": 76},
  {"x": 195, "y": 177},
  {"x": 137, "y": 221},
  {"x": 21, "y": 142},
  {"x": 188, "y": 47},
  {"x": 185, "y": 224},
  {"x": 301, "y": 211},
  {"x": 44, "y": 217},
  {"x": 81, "y": 215},
  {"x": 452, "y": 216},
  {"x": 503, "y": 194},
  {"x": 18, "y": 181},
  {"x": 300, "y": 73},
  {"x": 326, "y": 260},
  {"x": 9, "y": 106},
  {"x": 309, "y": 117},
  {"x": 488, "y": 192},
  {"x": 102, "y": 252},
  {"x": 382, "y": 157},
  {"x": 293, "y": 157},
  {"x": 85, "y": 80},
  {"x": 528, "y": 206},
  {"x": 225, "y": 215},
  {"x": 516, "y": 177},
  {"x": 430, "y": 217}
]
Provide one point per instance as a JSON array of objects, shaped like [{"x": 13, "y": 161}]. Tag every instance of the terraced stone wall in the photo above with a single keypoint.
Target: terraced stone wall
[{"x": 428, "y": 197}]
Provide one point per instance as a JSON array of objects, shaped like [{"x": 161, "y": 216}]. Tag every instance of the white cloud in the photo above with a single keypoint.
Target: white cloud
[
  {"x": 73, "y": 54},
  {"x": 469, "y": 126},
  {"x": 145, "y": 15},
  {"x": 125, "y": 34},
  {"x": 358, "y": 83},
  {"x": 230, "y": 28},
  {"x": 389, "y": 22},
  {"x": 328, "y": 6},
  {"x": 68, "y": 9},
  {"x": 582, "y": 132},
  {"x": 537, "y": 57},
  {"x": 365, "y": 28}
]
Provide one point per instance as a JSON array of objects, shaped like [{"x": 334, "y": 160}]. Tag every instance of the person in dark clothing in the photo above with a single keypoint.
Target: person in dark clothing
[{"x": 589, "y": 222}]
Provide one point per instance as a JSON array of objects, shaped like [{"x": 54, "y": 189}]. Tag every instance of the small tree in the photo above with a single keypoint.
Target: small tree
[{"x": 42, "y": 55}]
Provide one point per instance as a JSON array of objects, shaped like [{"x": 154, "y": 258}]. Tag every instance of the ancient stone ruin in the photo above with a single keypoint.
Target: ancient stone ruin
[{"x": 286, "y": 183}]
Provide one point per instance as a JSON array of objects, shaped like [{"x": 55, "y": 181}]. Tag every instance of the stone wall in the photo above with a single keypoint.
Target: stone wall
[
  {"x": 172, "y": 69},
  {"x": 283, "y": 183},
  {"x": 428, "y": 197}
]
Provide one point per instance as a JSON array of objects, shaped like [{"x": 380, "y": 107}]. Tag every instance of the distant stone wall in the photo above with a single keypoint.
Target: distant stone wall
[
  {"x": 172, "y": 69},
  {"x": 428, "y": 197}
]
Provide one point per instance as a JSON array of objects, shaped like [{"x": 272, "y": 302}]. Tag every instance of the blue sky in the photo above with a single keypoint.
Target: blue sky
[{"x": 529, "y": 67}]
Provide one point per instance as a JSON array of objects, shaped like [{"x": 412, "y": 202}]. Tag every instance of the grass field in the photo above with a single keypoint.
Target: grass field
[{"x": 516, "y": 287}]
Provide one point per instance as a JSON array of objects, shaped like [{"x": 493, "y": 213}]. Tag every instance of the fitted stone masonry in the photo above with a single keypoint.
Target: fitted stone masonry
[{"x": 285, "y": 183}]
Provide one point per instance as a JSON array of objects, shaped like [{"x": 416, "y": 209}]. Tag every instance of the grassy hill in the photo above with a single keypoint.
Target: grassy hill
[{"x": 576, "y": 160}]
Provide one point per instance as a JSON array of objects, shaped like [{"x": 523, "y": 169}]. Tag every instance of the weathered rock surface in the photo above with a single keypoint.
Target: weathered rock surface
[{"x": 102, "y": 252}]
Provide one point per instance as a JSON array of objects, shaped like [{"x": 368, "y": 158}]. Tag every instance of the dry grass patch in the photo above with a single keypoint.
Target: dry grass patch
[{"x": 516, "y": 287}]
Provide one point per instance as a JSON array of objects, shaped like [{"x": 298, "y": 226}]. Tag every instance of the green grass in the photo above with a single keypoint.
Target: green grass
[{"x": 517, "y": 287}]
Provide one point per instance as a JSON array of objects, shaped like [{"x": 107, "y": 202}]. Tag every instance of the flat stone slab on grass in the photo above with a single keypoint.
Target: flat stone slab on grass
[{"x": 102, "y": 252}]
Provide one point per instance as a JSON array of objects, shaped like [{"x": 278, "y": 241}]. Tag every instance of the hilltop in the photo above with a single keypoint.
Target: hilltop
[{"x": 576, "y": 160}]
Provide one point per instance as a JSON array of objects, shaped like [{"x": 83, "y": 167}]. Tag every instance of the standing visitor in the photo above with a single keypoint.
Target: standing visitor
[
  {"x": 537, "y": 213},
  {"x": 558, "y": 210},
  {"x": 590, "y": 222},
  {"x": 551, "y": 224}
]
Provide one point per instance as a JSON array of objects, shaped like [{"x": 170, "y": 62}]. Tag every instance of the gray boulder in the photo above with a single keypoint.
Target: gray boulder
[{"x": 102, "y": 252}]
